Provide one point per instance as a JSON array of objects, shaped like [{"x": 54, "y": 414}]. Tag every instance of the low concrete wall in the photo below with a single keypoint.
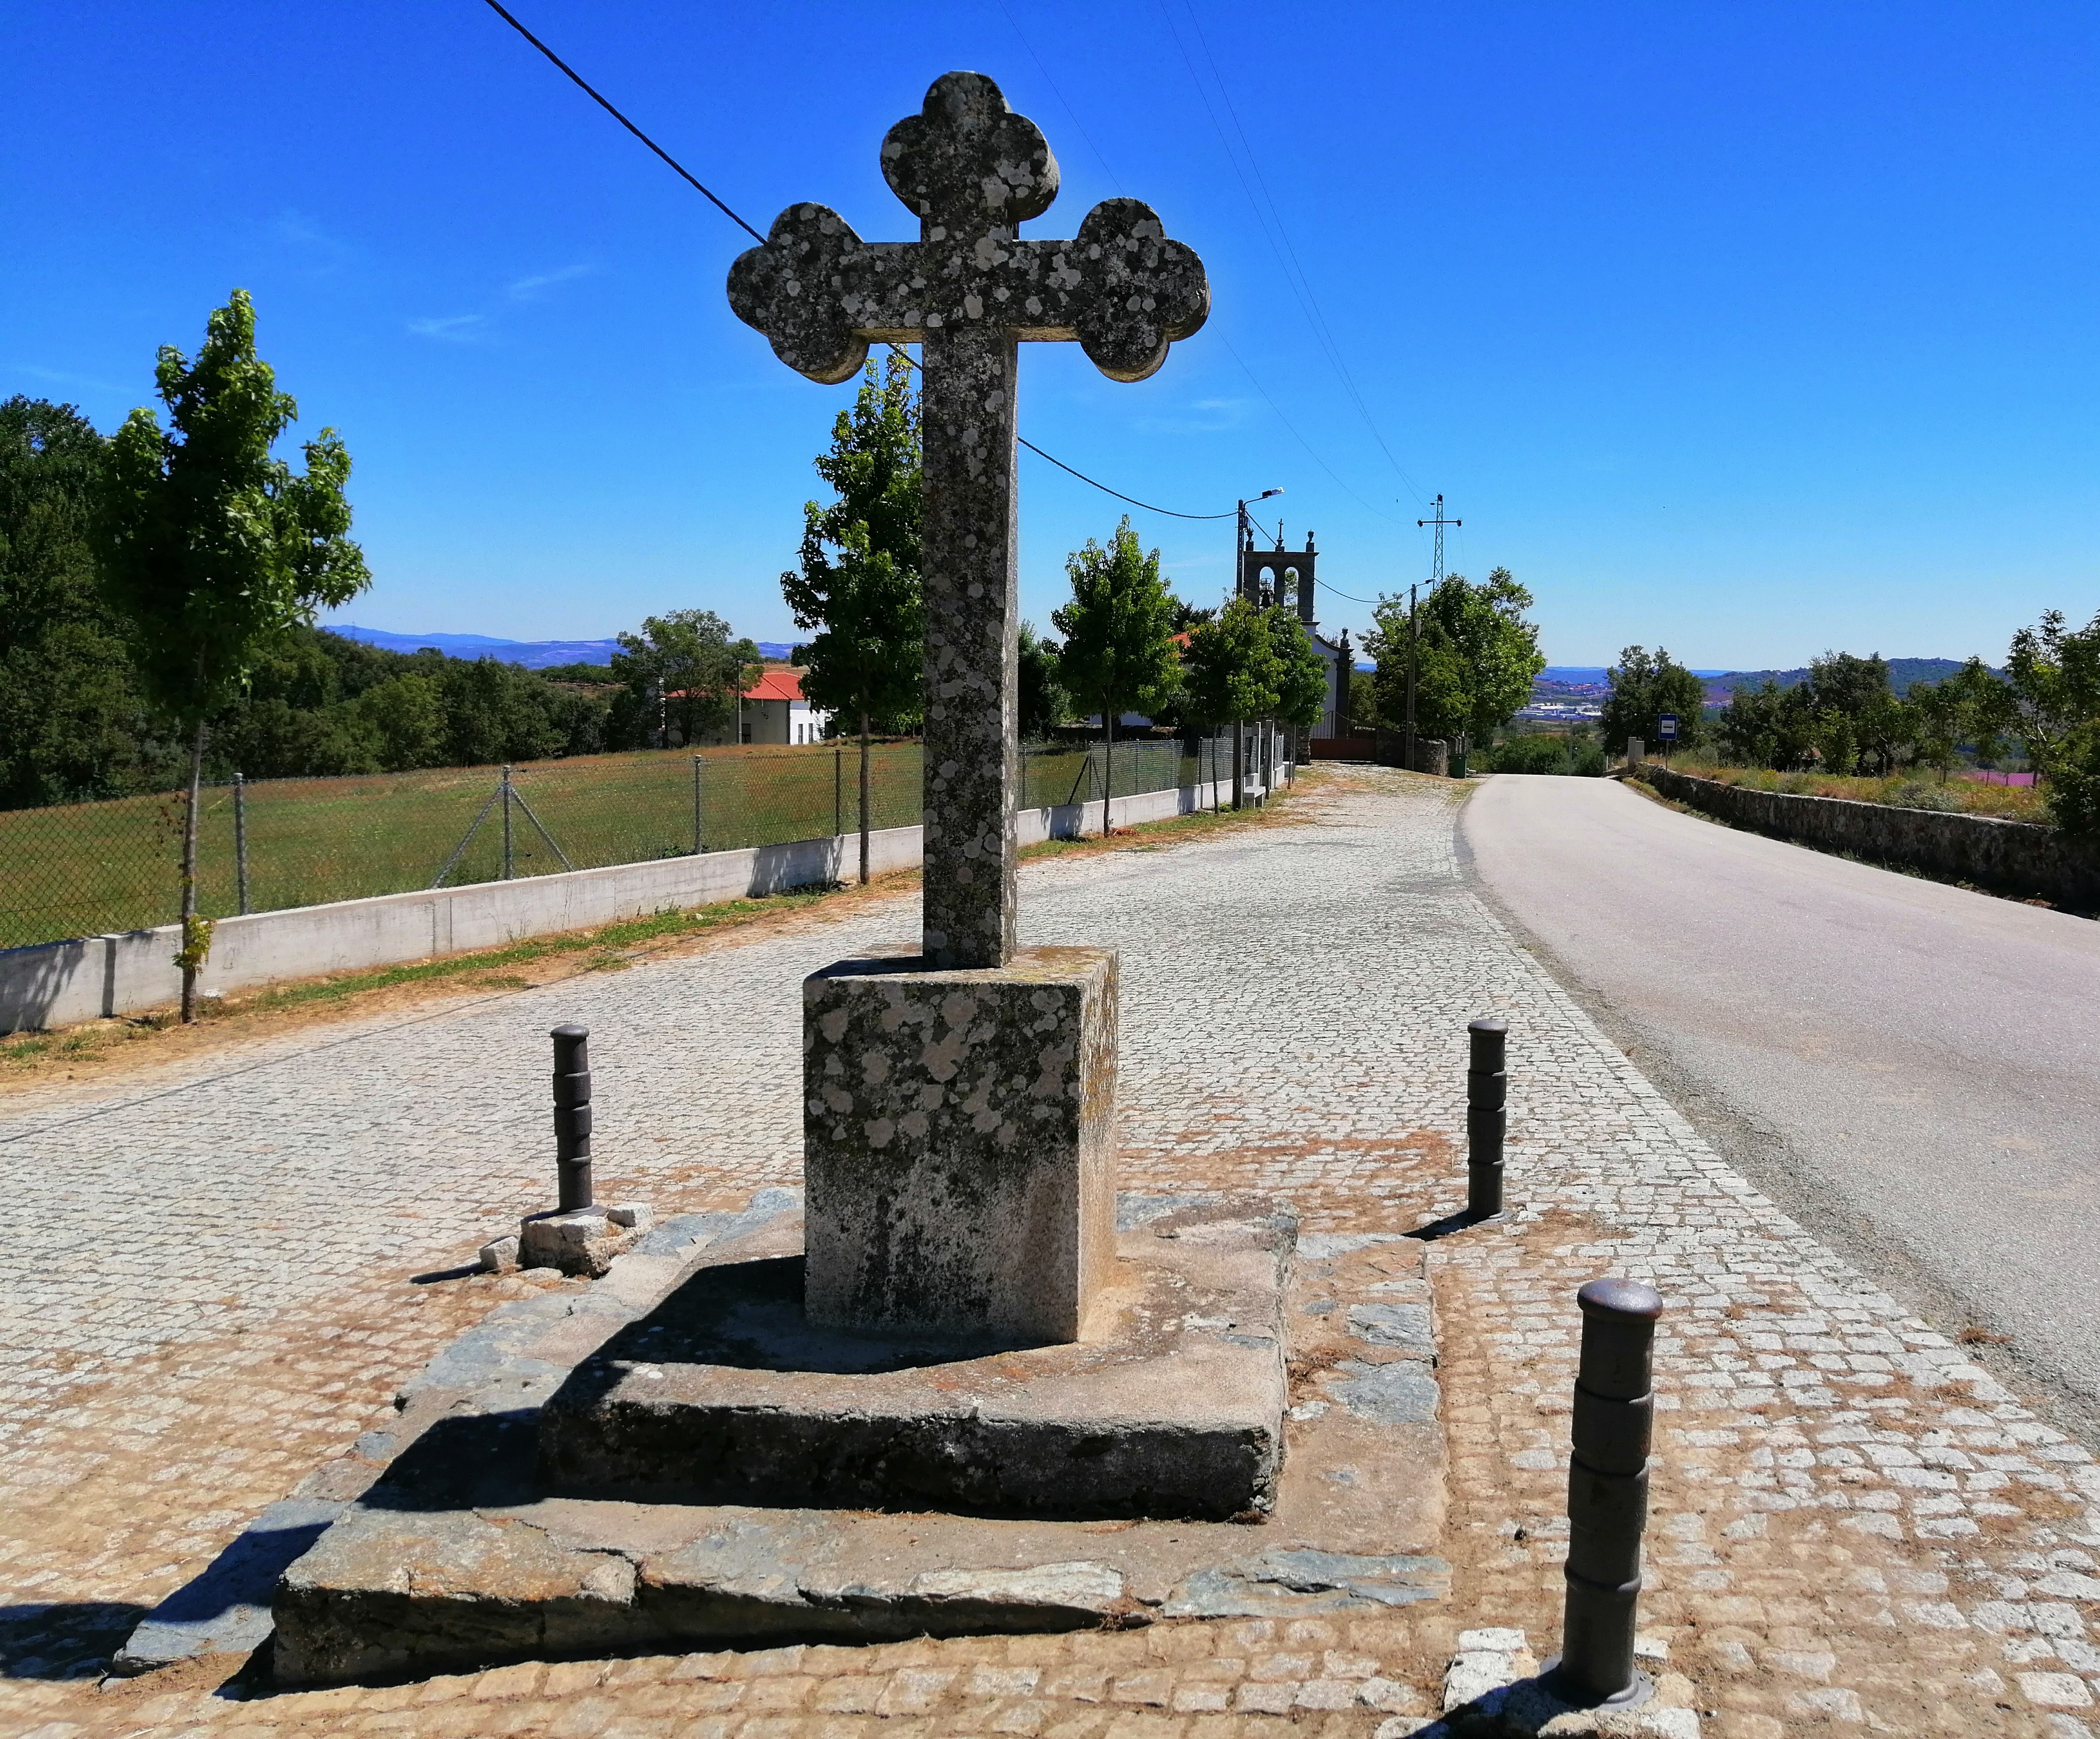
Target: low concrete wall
[
  {"x": 58, "y": 983},
  {"x": 2013, "y": 857}
]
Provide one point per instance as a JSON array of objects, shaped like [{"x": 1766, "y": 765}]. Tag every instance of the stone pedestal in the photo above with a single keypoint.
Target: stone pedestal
[{"x": 957, "y": 1134}]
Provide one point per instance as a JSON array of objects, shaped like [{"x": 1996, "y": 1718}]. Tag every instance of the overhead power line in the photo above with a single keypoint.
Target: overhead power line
[
  {"x": 584, "y": 84},
  {"x": 694, "y": 181}
]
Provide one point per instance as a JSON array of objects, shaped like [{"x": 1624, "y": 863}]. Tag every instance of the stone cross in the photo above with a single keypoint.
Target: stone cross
[{"x": 967, "y": 292}]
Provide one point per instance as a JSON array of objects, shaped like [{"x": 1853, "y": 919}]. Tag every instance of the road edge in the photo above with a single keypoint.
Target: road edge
[{"x": 1763, "y": 1156}]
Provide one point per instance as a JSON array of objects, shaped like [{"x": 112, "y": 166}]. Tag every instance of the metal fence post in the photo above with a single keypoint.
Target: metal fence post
[
  {"x": 1607, "y": 1495},
  {"x": 699, "y": 836},
  {"x": 1487, "y": 1118},
  {"x": 508, "y": 861},
  {"x": 838, "y": 790},
  {"x": 241, "y": 841},
  {"x": 572, "y": 1116}
]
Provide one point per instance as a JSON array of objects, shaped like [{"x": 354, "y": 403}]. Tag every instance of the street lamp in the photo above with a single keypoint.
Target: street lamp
[{"x": 1245, "y": 538}]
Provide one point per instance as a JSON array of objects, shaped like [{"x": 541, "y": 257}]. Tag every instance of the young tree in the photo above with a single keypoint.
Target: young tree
[
  {"x": 1301, "y": 678},
  {"x": 859, "y": 584},
  {"x": 1230, "y": 674},
  {"x": 1044, "y": 704},
  {"x": 211, "y": 550},
  {"x": 1118, "y": 634},
  {"x": 1643, "y": 688},
  {"x": 1475, "y": 661},
  {"x": 2053, "y": 679},
  {"x": 684, "y": 667}
]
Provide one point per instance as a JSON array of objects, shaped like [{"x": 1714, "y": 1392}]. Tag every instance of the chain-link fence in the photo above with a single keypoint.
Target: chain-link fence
[{"x": 85, "y": 869}]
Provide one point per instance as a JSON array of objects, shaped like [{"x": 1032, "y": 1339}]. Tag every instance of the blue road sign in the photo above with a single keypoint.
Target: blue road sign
[{"x": 1665, "y": 727}]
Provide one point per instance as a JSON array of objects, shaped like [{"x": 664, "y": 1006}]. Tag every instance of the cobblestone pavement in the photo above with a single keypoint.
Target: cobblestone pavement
[{"x": 209, "y": 1293}]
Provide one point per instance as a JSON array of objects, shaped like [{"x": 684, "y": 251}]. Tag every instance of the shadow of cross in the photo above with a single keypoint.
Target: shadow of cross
[{"x": 968, "y": 291}]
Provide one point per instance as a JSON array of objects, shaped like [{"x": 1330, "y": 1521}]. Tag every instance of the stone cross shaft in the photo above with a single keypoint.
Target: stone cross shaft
[{"x": 968, "y": 291}]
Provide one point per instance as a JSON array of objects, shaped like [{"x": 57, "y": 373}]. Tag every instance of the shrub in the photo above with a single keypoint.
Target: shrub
[{"x": 1918, "y": 793}]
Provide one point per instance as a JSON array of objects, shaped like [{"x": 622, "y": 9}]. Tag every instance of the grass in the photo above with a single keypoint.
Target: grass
[
  {"x": 27, "y": 1056},
  {"x": 1911, "y": 790},
  {"x": 85, "y": 869}
]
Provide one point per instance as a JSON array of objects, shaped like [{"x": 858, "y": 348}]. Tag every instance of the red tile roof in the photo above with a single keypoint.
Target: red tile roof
[{"x": 776, "y": 684}]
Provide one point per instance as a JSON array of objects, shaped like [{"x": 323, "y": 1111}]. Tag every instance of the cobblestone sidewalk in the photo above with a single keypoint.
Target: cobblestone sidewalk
[{"x": 209, "y": 1293}]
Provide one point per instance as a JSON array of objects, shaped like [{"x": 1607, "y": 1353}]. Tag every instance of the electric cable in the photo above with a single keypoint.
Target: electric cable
[
  {"x": 583, "y": 86},
  {"x": 680, "y": 169}
]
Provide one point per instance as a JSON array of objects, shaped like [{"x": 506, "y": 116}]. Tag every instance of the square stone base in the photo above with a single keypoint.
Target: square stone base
[
  {"x": 958, "y": 1130},
  {"x": 460, "y": 1557},
  {"x": 727, "y": 1393}
]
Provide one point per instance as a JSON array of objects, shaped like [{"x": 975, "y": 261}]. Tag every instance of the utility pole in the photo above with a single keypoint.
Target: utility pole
[
  {"x": 1414, "y": 626},
  {"x": 1242, "y": 542}
]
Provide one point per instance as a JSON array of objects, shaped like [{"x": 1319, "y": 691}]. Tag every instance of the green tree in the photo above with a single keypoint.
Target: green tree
[
  {"x": 211, "y": 548},
  {"x": 1643, "y": 688},
  {"x": 859, "y": 583},
  {"x": 73, "y": 723},
  {"x": 1230, "y": 675},
  {"x": 2053, "y": 684},
  {"x": 1475, "y": 656},
  {"x": 684, "y": 667},
  {"x": 1301, "y": 673},
  {"x": 1044, "y": 703},
  {"x": 1118, "y": 652}
]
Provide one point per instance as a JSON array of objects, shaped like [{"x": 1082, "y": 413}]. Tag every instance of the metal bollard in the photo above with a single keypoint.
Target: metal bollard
[
  {"x": 1607, "y": 1495},
  {"x": 1486, "y": 1118},
  {"x": 572, "y": 1116}
]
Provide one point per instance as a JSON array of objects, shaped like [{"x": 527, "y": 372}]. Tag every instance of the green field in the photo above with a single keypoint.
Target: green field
[{"x": 87, "y": 868}]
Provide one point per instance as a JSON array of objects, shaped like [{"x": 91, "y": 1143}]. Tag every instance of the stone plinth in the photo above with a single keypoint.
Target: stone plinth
[
  {"x": 957, "y": 1131},
  {"x": 461, "y": 1557},
  {"x": 727, "y": 1393}
]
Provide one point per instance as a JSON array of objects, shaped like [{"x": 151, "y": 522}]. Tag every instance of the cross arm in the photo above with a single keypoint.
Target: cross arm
[
  {"x": 1121, "y": 288},
  {"x": 822, "y": 295}
]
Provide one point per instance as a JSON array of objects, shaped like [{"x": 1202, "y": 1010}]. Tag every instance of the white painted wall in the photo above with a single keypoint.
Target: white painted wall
[{"x": 58, "y": 983}]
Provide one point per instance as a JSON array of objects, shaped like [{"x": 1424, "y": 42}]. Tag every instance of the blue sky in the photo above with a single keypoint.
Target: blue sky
[{"x": 1753, "y": 331}]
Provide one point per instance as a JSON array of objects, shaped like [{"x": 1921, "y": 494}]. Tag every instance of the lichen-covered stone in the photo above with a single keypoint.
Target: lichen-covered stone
[
  {"x": 957, "y": 1143},
  {"x": 968, "y": 291}
]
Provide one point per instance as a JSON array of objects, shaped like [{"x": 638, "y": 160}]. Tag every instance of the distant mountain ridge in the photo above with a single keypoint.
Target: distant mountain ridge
[
  {"x": 534, "y": 654},
  {"x": 1903, "y": 672}
]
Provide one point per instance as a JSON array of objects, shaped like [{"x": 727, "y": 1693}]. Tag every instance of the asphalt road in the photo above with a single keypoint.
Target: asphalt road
[{"x": 1911, "y": 1069}]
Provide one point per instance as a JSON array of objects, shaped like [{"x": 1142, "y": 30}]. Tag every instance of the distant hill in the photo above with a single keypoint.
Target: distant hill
[
  {"x": 1592, "y": 674},
  {"x": 1903, "y": 672},
  {"x": 534, "y": 654}
]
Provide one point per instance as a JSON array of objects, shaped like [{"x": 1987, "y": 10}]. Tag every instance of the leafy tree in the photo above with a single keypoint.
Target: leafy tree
[
  {"x": 1044, "y": 703},
  {"x": 1770, "y": 726},
  {"x": 1301, "y": 684},
  {"x": 1939, "y": 724},
  {"x": 859, "y": 584},
  {"x": 73, "y": 723},
  {"x": 1231, "y": 676},
  {"x": 1364, "y": 708},
  {"x": 1643, "y": 688},
  {"x": 1189, "y": 617},
  {"x": 1475, "y": 660},
  {"x": 2053, "y": 678},
  {"x": 211, "y": 548},
  {"x": 1118, "y": 630},
  {"x": 685, "y": 667}
]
